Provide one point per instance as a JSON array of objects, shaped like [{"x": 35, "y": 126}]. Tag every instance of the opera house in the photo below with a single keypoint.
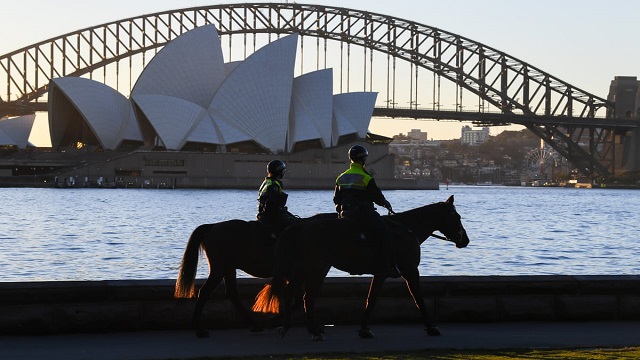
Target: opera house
[
  {"x": 193, "y": 120},
  {"x": 15, "y": 131}
]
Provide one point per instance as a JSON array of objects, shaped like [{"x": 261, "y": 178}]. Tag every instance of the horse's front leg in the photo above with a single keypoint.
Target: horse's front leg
[
  {"x": 412, "y": 279},
  {"x": 286, "y": 298},
  {"x": 231, "y": 289},
  {"x": 372, "y": 299}
]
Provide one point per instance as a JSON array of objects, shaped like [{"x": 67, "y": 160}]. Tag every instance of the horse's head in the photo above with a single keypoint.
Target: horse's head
[{"x": 451, "y": 226}]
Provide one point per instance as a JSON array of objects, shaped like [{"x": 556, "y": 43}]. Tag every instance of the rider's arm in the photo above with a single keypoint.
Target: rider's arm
[
  {"x": 337, "y": 197},
  {"x": 273, "y": 199},
  {"x": 376, "y": 194}
]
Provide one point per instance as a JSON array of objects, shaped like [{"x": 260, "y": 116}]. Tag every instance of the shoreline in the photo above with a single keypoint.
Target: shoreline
[{"x": 139, "y": 305}]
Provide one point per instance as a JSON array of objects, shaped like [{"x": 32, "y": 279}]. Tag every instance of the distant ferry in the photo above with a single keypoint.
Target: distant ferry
[{"x": 581, "y": 184}]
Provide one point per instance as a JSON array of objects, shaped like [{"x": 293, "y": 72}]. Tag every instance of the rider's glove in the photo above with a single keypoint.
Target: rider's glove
[{"x": 387, "y": 205}]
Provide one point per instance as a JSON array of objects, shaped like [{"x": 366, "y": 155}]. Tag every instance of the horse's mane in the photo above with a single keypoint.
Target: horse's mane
[{"x": 421, "y": 211}]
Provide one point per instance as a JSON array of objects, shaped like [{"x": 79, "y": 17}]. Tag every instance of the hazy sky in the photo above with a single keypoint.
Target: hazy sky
[{"x": 583, "y": 42}]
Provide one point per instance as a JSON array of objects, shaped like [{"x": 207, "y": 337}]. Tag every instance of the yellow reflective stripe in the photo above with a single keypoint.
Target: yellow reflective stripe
[
  {"x": 352, "y": 181},
  {"x": 268, "y": 182}
]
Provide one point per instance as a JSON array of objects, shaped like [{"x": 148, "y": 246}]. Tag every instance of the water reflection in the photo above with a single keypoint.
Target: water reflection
[{"x": 100, "y": 234}]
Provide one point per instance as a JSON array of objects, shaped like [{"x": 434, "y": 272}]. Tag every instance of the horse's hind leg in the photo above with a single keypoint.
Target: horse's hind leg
[
  {"x": 372, "y": 299},
  {"x": 286, "y": 295},
  {"x": 412, "y": 279},
  {"x": 203, "y": 295},
  {"x": 231, "y": 289}
]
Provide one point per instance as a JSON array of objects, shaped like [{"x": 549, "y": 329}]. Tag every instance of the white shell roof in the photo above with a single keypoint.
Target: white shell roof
[
  {"x": 16, "y": 131},
  {"x": 229, "y": 131},
  {"x": 352, "y": 114},
  {"x": 172, "y": 118},
  {"x": 205, "y": 131},
  {"x": 188, "y": 94},
  {"x": 230, "y": 66},
  {"x": 190, "y": 67},
  {"x": 107, "y": 112},
  {"x": 256, "y": 95},
  {"x": 312, "y": 101}
]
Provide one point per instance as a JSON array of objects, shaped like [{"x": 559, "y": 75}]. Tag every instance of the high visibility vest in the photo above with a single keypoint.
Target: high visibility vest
[
  {"x": 354, "y": 178},
  {"x": 270, "y": 201},
  {"x": 268, "y": 182}
]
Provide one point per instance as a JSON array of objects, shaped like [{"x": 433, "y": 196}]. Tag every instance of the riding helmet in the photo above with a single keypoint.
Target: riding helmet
[
  {"x": 357, "y": 153},
  {"x": 276, "y": 168}
]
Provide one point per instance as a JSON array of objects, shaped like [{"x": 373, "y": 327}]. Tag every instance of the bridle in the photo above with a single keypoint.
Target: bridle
[{"x": 445, "y": 238}]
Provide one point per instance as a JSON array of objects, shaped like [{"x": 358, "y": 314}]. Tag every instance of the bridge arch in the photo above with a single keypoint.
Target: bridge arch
[
  {"x": 505, "y": 82},
  {"x": 499, "y": 82}
]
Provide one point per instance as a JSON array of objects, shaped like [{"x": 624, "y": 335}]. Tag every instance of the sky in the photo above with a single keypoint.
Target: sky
[{"x": 583, "y": 42}]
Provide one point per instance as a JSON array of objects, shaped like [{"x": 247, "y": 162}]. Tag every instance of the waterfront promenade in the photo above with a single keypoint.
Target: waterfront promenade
[
  {"x": 141, "y": 320},
  {"x": 182, "y": 344},
  {"x": 51, "y": 308}
]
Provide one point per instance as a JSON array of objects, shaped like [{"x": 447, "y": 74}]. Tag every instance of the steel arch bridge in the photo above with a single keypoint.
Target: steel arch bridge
[{"x": 504, "y": 89}]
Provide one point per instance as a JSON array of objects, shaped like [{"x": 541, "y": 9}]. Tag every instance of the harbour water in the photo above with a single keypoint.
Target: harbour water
[{"x": 133, "y": 234}]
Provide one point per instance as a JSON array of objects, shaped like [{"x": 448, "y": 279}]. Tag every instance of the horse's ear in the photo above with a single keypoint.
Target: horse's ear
[{"x": 450, "y": 200}]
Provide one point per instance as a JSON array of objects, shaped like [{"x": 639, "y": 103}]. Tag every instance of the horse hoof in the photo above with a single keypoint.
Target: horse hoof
[
  {"x": 273, "y": 322},
  {"x": 365, "y": 333},
  {"x": 318, "y": 337},
  {"x": 433, "y": 331},
  {"x": 281, "y": 331},
  {"x": 202, "y": 333},
  {"x": 256, "y": 329}
]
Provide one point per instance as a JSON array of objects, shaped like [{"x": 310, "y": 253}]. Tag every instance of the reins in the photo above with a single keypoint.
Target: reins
[
  {"x": 391, "y": 212},
  {"x": 440, "y": 237}
]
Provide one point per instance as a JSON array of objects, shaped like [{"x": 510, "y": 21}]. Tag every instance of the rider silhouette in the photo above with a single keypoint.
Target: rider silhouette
[
  {"x": 355, "y": 193},
  {"x": 272, "y": 200}
]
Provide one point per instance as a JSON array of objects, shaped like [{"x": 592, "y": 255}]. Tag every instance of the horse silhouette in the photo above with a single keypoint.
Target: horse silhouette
[
  {"x": 228, "y": 245},
  {"x": 305, "y": 252}
]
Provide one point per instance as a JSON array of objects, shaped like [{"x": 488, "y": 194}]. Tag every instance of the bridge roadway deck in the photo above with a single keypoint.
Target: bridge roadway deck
[{"x": 183, "y": 344}]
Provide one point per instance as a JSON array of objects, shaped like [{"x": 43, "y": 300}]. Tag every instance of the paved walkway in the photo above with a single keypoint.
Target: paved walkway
[{"x": 340, "y": 339}]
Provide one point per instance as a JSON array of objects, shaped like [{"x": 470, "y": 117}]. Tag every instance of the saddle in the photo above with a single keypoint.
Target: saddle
[
  {"x": 270, "y": 235},
  {"x": 375, "y": 245}
]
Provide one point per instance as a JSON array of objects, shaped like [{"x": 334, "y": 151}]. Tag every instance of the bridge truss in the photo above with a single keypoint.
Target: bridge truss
[{"x": 374, "y": 51}]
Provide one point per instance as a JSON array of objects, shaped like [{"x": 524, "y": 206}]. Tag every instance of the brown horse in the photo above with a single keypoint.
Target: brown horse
[
  {"x": 305, "y": 253},
  {"x": 228, "y": 245}
]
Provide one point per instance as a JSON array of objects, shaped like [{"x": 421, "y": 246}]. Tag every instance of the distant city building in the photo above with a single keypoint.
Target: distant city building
[
  {"x": 474, "y": 137},
  {"x": 417, "y": 134},
  {"x": 449, "y": 163}
]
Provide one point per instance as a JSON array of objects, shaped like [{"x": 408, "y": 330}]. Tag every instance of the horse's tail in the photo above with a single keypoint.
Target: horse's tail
[
  {"x": 185, "y": 283},
  {"x": 268, "y": 299}
]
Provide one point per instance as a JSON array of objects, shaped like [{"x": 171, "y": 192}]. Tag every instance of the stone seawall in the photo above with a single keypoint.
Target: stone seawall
[{"x": 124, "y": 305}]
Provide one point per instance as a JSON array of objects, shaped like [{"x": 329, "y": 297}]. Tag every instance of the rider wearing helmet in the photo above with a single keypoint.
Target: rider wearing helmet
[
  {"x": 355, "y": 193},
  {"x": 272, "y": 200}
]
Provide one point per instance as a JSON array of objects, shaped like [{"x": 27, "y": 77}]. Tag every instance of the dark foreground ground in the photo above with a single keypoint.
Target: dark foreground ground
[{"x": 340, "y": 340}]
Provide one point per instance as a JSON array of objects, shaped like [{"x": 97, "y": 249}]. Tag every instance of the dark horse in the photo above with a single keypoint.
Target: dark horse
[
  {"x": 306, "y": 252},
  {"x": 229, "y": 245}
]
